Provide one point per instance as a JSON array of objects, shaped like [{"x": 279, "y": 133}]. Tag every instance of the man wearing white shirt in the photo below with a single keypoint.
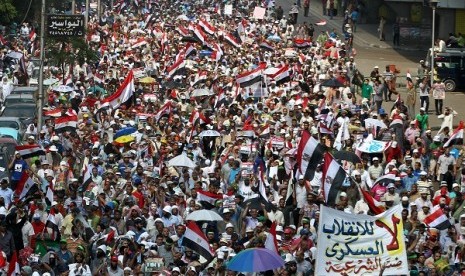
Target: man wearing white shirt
[{"x": 6, "y": 192}]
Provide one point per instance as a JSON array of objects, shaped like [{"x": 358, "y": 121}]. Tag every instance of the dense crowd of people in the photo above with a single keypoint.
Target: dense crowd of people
[{"x": 111, "y": 204}]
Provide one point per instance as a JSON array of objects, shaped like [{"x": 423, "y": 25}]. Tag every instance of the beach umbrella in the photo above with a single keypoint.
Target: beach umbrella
[
  {"x": 172, "y": 84},
  {"x": 147, "y": 80},
  {"x": 275, "y": 37},
  {"x": 201, "y": 92},
  {"x": 183, "y": 17},
  {"x": 209, "y": 133},
  {"x": 181, "y": 161},
  {"x": 348, "y": 156},
  {"x": 124, "y": 135},
  {"x": 255, "y": 260},
  {"x": 50, "y": 81},
  {"x": 204, "y": 215},
  {"x": 62, "y": 88}
]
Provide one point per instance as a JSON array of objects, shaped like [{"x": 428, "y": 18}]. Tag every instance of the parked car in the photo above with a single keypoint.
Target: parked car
[
  {"x": 8, "y": 132},
  {"x": 23, "y": 111},
  {"x": 8, "y": 145},
  {"x": 450, "y": 67},
  {"x": 4, "y": 162},
  {"x": 13, "y": 122}
]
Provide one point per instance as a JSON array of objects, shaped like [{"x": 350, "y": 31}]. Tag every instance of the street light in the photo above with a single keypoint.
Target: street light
[
  {"x": 434, "y": 4},
  {"x": 41, "y": 72}
]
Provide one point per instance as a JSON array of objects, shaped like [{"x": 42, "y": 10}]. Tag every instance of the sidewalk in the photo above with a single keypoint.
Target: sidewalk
[{"x": 365, "y": 35}]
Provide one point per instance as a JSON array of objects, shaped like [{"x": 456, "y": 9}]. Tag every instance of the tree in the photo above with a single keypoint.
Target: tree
[
  {"x": 63, "y": 52},
  {"x": 7, "y": 11}
]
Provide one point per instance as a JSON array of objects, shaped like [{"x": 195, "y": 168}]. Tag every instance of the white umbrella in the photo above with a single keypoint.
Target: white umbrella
[
  {"x": 183, "y": 17},
  {"x": 15, "y": 55},
  {"x": 370, "y": 122},
  {"x": 209, "y": 133},
  {"x": 204, "y": 215},
  {"x": 201, "y": 92},
  {"x": 50, "y": 81},
  {"x": 181, "y": 161},
  {"x": 62, "y": 88},
  {"x": 137, "y": 31}
]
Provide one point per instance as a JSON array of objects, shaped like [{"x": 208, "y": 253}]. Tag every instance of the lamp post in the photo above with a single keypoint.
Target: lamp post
[
  {"x": 434, "y": 4},
  {"x": 41, "y": 72}
]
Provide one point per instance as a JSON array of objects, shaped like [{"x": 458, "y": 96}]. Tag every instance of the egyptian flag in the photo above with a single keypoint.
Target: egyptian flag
[
  {"x": 208, "y": 199},
  {"x": 282, "y": 75},
  {"x": 209, "y": 29},
  {"x": 66, "y": 123},
  {"x": 220, "y": 99},
  {"x": 32, "y": 35},
  {"x": 437, "y": 219},
  {"x": 26, "y": 186},
  {"x": 199, "y": 34},
  {"x": 28, "y": 151},
  {"x": 375, "y": 206},
  {"x": 200, "y": 77},
  {"x": 139, "y": 43},
  {"x": 397, "y": 121},
  {"x": 251, "y": 77},
  {"x": 189, "y": 49},
  {"x": 198, "y": 116},
  {"x": 457, "y": 137},
  {"x": 166, "y": 109},
  {"x": 232, "y": 40},
  {"x": 267, "y": 46},
  {"x": 196, "y": 240},
  {"x": 182, "y": 31},
  {"x": 86, "y": 177},
  {"x": 271, "y": 242},
  {"x": 123, "y": 94},
  {"x": 173, "y": 69},
  {"x": 333, "y": 178},
  {"x": 52, "y": 224},
  {"x": 309, "y": 154},
  {"x": 302, "y": 43}
]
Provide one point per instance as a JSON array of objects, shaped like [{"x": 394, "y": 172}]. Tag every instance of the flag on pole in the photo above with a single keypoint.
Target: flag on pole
[
  {"x": 52, "y": 224},
  {"x": 208, "y": 199},
  {"x": 333, "y": 178},
  {"x": 232, "y": 40},
  {"x": 252, "y": 77},
  {"x": 26, "y": 186},
  {"x": 309, "y": 155},
  {"x": 437, "y": 219},
  {"x": 457, "y": 137},
  {"x": 375, "y": 206},
  {"x": 207, "y": 27},
  {"x": 196, "y": 240},
  {"x": 271, "y": 242},
  {"x": 13, "y": 266},
  {"x": 66, "y": 123},
  {"x": 166, "y": 109},
  {"x": 28, "y": 151},
  {"x": 32, "y": 35},
  {"x": 123, "y": 94}
]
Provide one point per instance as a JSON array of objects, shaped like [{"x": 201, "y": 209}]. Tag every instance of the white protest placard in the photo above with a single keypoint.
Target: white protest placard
[
  {"x": 259, "y": 13},
  {"x": 228, "y": 9},
  {"x": 355, "y": 244}
]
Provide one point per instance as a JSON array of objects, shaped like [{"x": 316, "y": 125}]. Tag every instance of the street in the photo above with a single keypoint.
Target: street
[{"x": 369, "y": 56}]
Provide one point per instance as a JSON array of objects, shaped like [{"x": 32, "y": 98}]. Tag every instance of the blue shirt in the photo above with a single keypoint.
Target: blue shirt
[
  {"x": 18, "y": 168},
  {"x": 409, "y": 181}
]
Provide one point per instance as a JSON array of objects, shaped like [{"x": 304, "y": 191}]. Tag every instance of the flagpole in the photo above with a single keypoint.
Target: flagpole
[{"x": 41, "y": 71}]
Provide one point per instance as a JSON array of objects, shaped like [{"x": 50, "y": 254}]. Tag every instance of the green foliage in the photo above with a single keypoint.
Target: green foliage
[
  {"x": 66, "y": 51},
  {"x": 7, "y": 11}
]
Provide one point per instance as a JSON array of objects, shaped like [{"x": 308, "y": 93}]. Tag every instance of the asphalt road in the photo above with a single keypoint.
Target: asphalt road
[{"x": 367, "y": 57}]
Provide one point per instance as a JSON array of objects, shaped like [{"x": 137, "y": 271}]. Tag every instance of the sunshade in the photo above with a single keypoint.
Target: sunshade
[
  {"x": 370, "y": 122},
  {"x": 124, "y": 135},
  {"x": 204, "y": 215},
  {"x": 62, "y": 88},
  {"x": 181, "y": 161},
  {"x": 255, "y": 260},
  {"x": 348, "y": 156},
  {"x": 147, "y": 80},
  {"x": 332, "y": 83},
  {"x": 209, "y": 133},
  {"x": 201, "y": 92}
]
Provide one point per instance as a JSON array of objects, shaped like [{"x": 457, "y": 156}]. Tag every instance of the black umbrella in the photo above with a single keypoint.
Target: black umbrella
[
  {"x": 255, "y": 203},
  {"x": 332, "y": 83},
  {"x": 172, "y": 84},
  {"x": 348, "y": 156},
  {"x": 190, "y": 39}
]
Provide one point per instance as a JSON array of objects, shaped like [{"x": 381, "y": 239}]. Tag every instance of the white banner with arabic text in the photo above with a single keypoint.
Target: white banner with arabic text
[{"x": 356, "y": 244}]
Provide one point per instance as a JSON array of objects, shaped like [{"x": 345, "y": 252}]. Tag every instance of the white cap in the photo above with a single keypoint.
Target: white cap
[
  {"x": 375, "y": 159},
  {"x": 167, "y": 209},
  {"x": 229, "y": 225},
  {"x": 343, "y": 194},
  {"x": 176, "y": 269}
]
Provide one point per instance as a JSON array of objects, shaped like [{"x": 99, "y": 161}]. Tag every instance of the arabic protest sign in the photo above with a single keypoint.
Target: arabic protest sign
[
  {"x": 63, "y": 25},
  {"x": 259, "y": 13},
  {"x": 373, "y": 146},
  {"x": 358, "y": 244},
  {"x": 228, "y": 9}
]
